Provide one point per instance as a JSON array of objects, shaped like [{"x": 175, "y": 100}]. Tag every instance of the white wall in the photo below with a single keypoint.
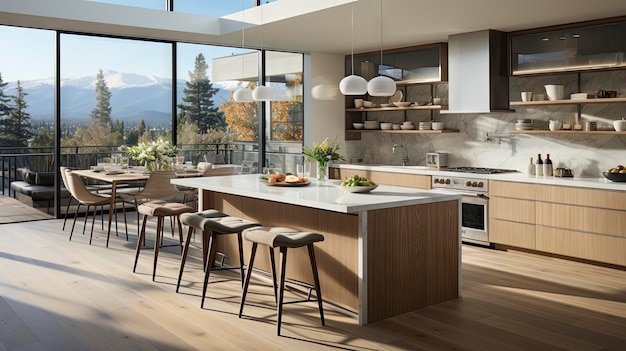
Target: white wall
[{"x": 324, "y": 114}]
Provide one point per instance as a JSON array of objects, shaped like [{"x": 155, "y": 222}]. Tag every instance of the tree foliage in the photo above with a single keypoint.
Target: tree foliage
[
  {"x": 102, "y": 112},
  {"x": 198, "y": 106},
  {"x": 16, "y": 127}
]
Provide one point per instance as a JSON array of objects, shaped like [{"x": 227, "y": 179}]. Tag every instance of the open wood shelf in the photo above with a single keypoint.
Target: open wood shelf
[
  {"x": 379, "y": 109},
  {"x": 568, "y": 102},
  {"x": 543, "y": 131},
  {"x": 414, "y": 131}
]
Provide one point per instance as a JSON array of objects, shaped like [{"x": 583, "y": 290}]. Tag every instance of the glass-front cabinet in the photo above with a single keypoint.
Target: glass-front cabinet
[{"x": 599, "y": 46}]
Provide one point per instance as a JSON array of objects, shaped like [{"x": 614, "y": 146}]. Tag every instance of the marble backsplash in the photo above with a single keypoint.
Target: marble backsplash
[{"x": 586, "y": 154}]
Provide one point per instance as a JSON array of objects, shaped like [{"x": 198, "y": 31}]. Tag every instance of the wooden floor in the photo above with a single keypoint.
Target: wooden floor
[
  {"x": 12, "y": 211},
  {"x": 62, "y": 295}
]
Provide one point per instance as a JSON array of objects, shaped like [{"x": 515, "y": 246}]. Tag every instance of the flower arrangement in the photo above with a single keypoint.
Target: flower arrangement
[
  {"x": 323, "y": 154},
  {"x": 155, "y": 154}
]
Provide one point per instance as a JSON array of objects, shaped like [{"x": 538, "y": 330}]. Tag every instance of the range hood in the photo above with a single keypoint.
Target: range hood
[{"x": 478, "y": 80}]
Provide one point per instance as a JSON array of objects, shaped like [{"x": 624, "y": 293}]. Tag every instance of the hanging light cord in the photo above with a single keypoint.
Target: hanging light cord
[
  {"x": 352, "y": 24},
  {"x": 243, "y": 37},
  {"x": 381, "y": 35}
]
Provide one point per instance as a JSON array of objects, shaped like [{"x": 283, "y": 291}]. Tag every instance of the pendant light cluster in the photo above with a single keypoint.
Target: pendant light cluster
[
  {"x": 261, "y": 92},
  {"x": 377, "y": 86}
]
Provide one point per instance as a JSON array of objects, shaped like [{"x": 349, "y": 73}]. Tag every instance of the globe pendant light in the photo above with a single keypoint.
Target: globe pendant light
[
  {"x": 381, "y": 85},
  {"x": 262, "y": 92},
  {"x": 353, "y": 84},
  {"x": 243, "y": 94}
]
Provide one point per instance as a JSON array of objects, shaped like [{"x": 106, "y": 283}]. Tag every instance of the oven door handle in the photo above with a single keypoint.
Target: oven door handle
[{"x": 479, "y": 195}]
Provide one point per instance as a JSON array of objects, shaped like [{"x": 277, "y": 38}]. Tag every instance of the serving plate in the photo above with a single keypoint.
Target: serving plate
[
  {"x": 286, "y": 184},
  {"x": 615, "y": 177},
  {"x": 357, "y": 189}
]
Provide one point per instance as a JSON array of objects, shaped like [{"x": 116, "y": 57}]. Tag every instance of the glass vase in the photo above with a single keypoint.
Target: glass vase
[
  {"x": 151, "y": 166},
  {"x": 322, "y": 171}
]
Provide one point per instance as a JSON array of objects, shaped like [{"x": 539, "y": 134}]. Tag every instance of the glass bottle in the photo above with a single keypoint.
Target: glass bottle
[
  {"x": 539, "y": 166},
  {"x": 547, "y": 166},
  {"x": 530, "y": 168}
]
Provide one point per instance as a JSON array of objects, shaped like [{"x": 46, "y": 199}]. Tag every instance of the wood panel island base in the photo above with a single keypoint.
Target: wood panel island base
[{"x": 388, "y": 252}]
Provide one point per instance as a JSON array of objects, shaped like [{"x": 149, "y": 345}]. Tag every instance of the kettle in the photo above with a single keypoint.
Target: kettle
[{"x": 555, "y": 125}]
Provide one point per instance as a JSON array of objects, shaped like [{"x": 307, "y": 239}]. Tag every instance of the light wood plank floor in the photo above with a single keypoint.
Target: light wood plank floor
[
  {"x": 61, "y": 295},
  {"x": 12, "y": 211}
]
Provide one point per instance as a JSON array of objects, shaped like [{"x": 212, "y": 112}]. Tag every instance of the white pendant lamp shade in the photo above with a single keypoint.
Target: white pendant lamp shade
[
  {"x": 263, "y": 93},
  {"x": 381, "y": 86},
  {"x": 353, "y": 85},
  {"x": 243, "y": 95}
]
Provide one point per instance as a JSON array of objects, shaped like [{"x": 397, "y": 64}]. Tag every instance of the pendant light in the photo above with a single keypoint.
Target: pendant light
[
  {"x": 243, "y": 94},
  {"x": 381, "y": 85},
  {"x": 262, "y": 92},
  {"x": 353, "y": 84}
]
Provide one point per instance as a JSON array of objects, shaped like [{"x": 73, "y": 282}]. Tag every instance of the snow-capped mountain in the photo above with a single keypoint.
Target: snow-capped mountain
[{"x": 133, "y": 96}]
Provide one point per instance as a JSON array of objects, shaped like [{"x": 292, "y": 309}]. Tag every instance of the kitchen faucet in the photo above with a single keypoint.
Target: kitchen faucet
[{"x": 405, "y": 156}]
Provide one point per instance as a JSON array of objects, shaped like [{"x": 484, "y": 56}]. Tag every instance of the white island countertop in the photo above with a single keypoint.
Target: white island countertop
[{"x": 324, "y": 195}]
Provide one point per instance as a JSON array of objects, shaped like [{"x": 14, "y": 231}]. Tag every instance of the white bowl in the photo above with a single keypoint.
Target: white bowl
[
  {"x": 396, "y": 127},
  {"x": 358, "y": 189},
  {"x": 438, "y": 125},
  {"x": 386, "y": 126},
  {"x": 555, "y": 92},
  {"x": 407, "y": 127},
  {"x": 368, "y": 103},
  {"x": 371, "y": 124},
  {"x": 358, "y": 125},
  {"x": 619, "y": 125},
  {"x": 402, "y": 103}
]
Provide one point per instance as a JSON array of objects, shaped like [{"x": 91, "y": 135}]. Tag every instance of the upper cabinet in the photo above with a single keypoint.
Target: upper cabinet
[
  {"x": 412, "y": 65},
  {"x": 569, "y": 48}
]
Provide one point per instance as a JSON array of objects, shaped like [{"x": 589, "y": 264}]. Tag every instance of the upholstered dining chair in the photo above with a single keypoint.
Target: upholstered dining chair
[
  {"x": 80, "y": 193},
  {"x": 158, "y": 187}
]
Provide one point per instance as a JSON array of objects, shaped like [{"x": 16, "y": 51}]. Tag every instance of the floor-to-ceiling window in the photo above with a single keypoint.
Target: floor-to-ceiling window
[
  {"x": 26, "y": 104},
  {"x": 114, "y": 92}
]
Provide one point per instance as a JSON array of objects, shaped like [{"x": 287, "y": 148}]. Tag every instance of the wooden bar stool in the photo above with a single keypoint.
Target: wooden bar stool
[
  {"x": 212, "y": 223},
  {"x": 283, "y": 238},
  {"x": 159, "y": 209}
]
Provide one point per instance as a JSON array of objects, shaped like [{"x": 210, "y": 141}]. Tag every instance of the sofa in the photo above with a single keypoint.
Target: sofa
[{"x": 35, "y": 189}]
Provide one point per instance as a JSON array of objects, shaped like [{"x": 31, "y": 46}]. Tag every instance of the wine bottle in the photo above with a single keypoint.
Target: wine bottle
[
  {"x": 539, "y": 166},
  {"x": 530, "y": 168},
  {"x": 547, "y": 166}
]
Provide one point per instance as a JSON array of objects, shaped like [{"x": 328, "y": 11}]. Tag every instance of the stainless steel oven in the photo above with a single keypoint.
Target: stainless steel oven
[{"x": 474, "y": 202}]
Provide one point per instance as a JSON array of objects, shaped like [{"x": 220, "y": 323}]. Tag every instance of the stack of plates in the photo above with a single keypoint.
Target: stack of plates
[
  {"x": 524, "y": 125},
  {"x": 425, "y": 126}
]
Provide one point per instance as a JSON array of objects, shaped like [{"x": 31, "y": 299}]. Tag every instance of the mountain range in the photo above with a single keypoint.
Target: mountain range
[{"x": 133, "y": 97}]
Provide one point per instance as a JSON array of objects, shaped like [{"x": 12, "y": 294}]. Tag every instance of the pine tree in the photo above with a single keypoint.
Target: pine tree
[
  {"x": 198, "y": 106},
  {"x": 5, "y": 112},
  {"x": 18, "y": 124},
  {"x": 102, "y": 112}
]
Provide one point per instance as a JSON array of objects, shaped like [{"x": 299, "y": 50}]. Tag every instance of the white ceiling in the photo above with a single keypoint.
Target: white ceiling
[{"x": 413, "y": 22}]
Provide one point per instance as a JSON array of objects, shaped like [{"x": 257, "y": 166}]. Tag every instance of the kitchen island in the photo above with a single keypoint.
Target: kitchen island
[{"x": 387, "y": 252}]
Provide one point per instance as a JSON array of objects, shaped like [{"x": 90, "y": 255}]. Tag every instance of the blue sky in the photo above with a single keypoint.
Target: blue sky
[{"x": 28, "y": 53}]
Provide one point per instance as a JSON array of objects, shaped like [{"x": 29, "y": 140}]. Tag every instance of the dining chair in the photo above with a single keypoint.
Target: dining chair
[
  {"x": 79, "y": 191},
  {"x": 158, "y": 187}
]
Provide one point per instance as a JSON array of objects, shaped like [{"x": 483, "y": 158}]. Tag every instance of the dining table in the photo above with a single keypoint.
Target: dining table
[{"x": 126, "y": 176}]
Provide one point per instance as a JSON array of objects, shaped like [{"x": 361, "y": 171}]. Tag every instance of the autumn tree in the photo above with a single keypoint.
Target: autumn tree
[
  {"x": 198, "y": 106},
  {"x": 102, "y": 112},
  {"x": 242, "y": 119}
]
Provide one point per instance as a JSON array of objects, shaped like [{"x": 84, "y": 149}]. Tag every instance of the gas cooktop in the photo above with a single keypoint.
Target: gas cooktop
[{"x": 478, "y": 170}]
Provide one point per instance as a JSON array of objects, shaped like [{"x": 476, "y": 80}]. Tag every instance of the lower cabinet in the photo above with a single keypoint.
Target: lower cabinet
[
  {"x": 581, "y": 223},
  {"x": 398, "y": 179}
]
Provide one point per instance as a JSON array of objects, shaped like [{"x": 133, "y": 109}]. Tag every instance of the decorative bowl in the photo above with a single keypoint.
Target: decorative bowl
[
  {"x": 615, "y": 177},
  {"x": 402, "y": 103},
  {"x": 357, "y": 189},
  {"x": 620, "y": 125},
  {"x": 358, "y": 125},
  {"x": 386, "y": 126}
]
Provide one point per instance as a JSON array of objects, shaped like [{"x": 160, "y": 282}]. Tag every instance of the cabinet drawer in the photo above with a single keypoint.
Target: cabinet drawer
[
  {"x": 512, "y": 189},
  {"x": 615, "y": 200},
  {"x": 397, "y": 179},
  {"x": 512, "y": 209},
  {"x": 582, "y": 245},
  {"x": 512, "y": 233},
  {"x": 585, "y": 219}
]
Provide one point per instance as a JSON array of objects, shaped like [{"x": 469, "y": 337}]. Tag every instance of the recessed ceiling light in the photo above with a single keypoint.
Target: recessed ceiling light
[
  {"x": 545, "y": 39},
  {"x": 575, "y": 35},
  {"x": 562, "y": 38}
]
